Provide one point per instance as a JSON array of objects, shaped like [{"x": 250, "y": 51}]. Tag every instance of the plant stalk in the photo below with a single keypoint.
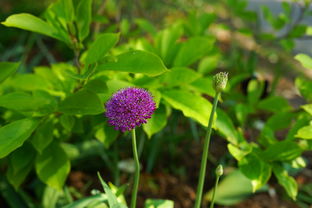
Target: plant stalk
[
  {"x": 214, "y": 191},
  {"x": 137, "y": 171},
  {"x": 203, "y": 165}
]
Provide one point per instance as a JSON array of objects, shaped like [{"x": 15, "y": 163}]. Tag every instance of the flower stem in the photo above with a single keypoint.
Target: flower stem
[
  {"x": 214, "y": 191},
  {"x": 137, "y": 171},
  {"x": 203, "y": 165}
]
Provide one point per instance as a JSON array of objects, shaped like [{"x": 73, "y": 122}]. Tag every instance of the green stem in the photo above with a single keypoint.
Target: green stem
[
  {"x": 137, "y": 171},
  {"x": 214, "y": 192},
  {"x": 203, "y": 165}
]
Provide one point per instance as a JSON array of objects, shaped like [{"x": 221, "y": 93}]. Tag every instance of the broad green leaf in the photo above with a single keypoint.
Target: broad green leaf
[
  {"x": 43, "y": 135},
  {"x": 305, "y": 132},
  {"x": 305, "y": 60},
  {"x": 254, "y": 89},
  {"x": 157, "y": 122},
  {"x": 146, "y": 25},
  {"x": 84, "y": 17},
  {"x": 274, "y": 104},
  {"x": 20, "y": 164},
  {"x": 102, "y": 44},
  {"x": 274, "y": 122},
  {"x": 97, "y": 85},
  {"x": 307, "y": 108},
  {"x": 32, "y": 23},
  {"x": 86, "y": 202},
  {"x": 179, "y": 76},
  {"x": 21, "y": 101},
  {"x": 106, "y": 134},
  {"x": 28, "y": 82},
  {"x": 7, "y": 69},
  {"x": 158, "y": 203},
  {"x": 136, "y": 62},
  {"x": 288, "y": 182},
  {"x": 256, "y": 170},
  {"x": 226, "y": 127},
  {"x": 67, "y": 122},
  {"x": 191, "y": 105},
  {"x": 83, "y": 102},
  {"x": 53, "y": 166},
  {"x": 282, "y": 151},
  {"x": 13, "y": 135},
  {"x": 303, "y": 119},
  {"x": 203, "y": 85},
  {"x": 234, "y": 188},
  {"x": 208, "y": 64},
  {"x": 193, "y": 49}
]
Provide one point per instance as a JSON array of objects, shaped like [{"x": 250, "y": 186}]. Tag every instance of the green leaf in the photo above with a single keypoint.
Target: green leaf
[
  {"x": 179, "y": 76},
  {"x": 274, "y": 122},
  {"x": 158, "y": 203},
  {"x": 208, "y": 64},
  {"x": 13, "y": 135},
  {"x": 53, "y": 166},
  {"x": 7, "y": 69},
  {"x": 111, "y": 198},
  {"x": 254, "y": 89},
  {"x": 157, "y": 122},
  {"x": 282, "y": 151},
  {"x": 102, "y": 44},
  {"x": 305, "y": 87},
  {"x": 239, "y": 152},
  {"x": 274, "y": 104},
  {"x": 84, "y": 17},
  {"x": 191, "y": 105},
  {"x": 288, "y": 182},
  {"x": 43, "y": 135},
  {"x": 32, "y": 23},
  {"x": 97, "y": 85},
  {"x": 226, "y": 127},
  {"x": 86, "y": 202},
  {"x": 83, "y": 102},
  {"x": 193, "y": 49},
  {"x": 20, "y": 164},
  {"x": 136, "y": 62},
  {"x": 229, "y": 192},
  {"x": 106, "y": 134},
  {"x": 305, "y": 60},
  {"x": 256, "y": 170},
  {"x": 307, "y": 108},
  {"x": 203, "y": 85},
  {"x": 305, "y": 132},
  {"x": 20, "y": 101}
]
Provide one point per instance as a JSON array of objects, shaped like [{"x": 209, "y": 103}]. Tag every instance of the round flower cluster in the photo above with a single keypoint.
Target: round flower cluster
[{"x": 129, "y": 107}]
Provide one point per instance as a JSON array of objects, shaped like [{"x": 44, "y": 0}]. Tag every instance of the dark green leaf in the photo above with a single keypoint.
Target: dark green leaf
[
  {"x": 157, "y": 122},
  {"x": 43, "y": 135},
  {"x": 7, "y": 69},
  {"x": 84, "y": 17},
  {"x": 282, "y": 151}
]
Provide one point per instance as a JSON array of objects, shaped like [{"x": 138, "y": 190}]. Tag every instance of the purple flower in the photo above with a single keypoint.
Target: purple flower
[{"x": 129, "y": 107}]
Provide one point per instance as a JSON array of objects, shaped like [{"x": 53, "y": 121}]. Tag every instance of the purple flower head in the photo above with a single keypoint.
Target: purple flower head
[{"x": 129, "y": 107}]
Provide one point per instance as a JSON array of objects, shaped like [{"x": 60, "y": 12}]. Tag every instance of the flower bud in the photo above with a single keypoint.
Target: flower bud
[
  {"x": 219, "y": 81},
  {"x": 219, "y": 170}
]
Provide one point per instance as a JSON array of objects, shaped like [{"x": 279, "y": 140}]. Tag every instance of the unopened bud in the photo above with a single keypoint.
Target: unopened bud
[
  {"x": 219, "y": 170},
  {"x": 219, "y": 81}
]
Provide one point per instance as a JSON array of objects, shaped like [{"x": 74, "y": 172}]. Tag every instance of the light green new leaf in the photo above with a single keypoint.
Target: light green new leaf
[
  {"x": 305, "y": 132},
  {"x": 191, "y": 105},
  {"x": 288, "y": 182},
  {"x": 305, "y": 60},
  {"x": 13, "y": 135},
  {"x": 256, "y": 170},
  {"x": 32, "y": 23},
  {"x": 7, "y": 69},
  {"x": 53, "y": 166},
  {"x": 83, "y": 102},
  {"x": 193, "y": 49},
  {"x": 307, "y": 108},
  {"x": 157, "y": 122},
  {"x": 106, "y": 134},
  {"x": 136, "y": 62},
  {"x": 158, "y": 203},
  {"x": 20, "y": 162},
  {"x": 101, "y": 46}
]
